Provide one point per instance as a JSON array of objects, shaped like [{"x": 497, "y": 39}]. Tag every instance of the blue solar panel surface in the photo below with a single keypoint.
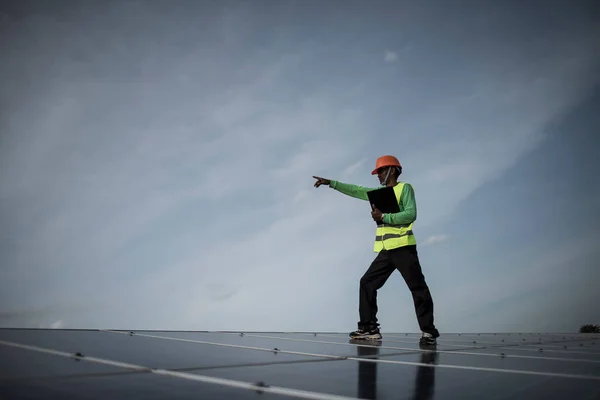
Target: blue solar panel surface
[{"x": 89, "y": 364}]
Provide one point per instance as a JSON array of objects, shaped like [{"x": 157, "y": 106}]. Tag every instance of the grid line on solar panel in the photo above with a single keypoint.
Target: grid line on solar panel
[
  {"x": 406, "y": 351},
  {"x": 19, "y": 365},
  {"x": 260, "y": 387},
  {"x": 587, "y": 352},
  {"x": 70, "y": 376},
  {"x": 120, "y": 372},
  {"x": 588, "y": 344},
  {"x": 548, "y": 351},
  {"x": 589, "y": 348},
  {"x": 487, "y": 344},
  {"x": 272, "y": 350},
  {"x": 142, "y": 351},
  {"x": 404, "y": 348},
  {"x": 445, "y": 339},
  {"x": 527, "y": 372},
  {"x": 445, "y": 336}
]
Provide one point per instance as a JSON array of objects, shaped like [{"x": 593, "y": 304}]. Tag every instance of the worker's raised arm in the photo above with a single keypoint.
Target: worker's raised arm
[
  {"x": 408, "y": 207},
  {"x": 358, "y": 192}
]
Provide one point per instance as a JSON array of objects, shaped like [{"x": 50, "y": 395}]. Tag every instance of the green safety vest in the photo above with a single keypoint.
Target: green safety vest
[{"x": 389, "y": 236}]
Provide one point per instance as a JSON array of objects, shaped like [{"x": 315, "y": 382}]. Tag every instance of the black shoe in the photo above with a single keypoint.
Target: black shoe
[
  {"x": 363, "y": 334},
  {"x": 427, "y": 339}
]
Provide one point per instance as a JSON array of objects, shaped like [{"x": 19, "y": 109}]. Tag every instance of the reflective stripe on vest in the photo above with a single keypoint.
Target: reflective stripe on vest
[
  {"x": 392, "y": 236},
  {"x": 388, "y": 236}
]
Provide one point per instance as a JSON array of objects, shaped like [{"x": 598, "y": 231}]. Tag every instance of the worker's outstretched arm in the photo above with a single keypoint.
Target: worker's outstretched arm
[
  {"x": 408, "y": 206},
  {"x": 358, "y": 192}
]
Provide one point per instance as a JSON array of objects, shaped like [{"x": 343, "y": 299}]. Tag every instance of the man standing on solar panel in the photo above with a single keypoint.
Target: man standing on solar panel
[{"x": 396, "y": 246}]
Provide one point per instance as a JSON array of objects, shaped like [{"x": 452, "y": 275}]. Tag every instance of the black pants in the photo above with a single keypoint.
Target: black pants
[{"x": 406, "y": 260}]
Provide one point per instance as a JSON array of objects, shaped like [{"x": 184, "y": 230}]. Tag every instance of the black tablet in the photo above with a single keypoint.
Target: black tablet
[{"x": 384, "y": 199}]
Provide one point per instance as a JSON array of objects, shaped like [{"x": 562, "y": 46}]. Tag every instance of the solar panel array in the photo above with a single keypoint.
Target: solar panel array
[{"x": 94, "y": 364}]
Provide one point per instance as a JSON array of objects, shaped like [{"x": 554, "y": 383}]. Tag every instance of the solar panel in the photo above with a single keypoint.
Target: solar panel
[{"x": 90, "y": 364}]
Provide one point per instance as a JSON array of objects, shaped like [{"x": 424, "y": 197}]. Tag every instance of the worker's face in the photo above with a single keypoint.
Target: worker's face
[{"x": 381, "y": 173}]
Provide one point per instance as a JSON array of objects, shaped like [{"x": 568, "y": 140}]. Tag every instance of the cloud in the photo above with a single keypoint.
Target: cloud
[
  {"x": 57, "y": 325},
  {"x": 390, "y": 56},
  {"x": 435, "y": 239},
  {"x": 350, "y": 170}
]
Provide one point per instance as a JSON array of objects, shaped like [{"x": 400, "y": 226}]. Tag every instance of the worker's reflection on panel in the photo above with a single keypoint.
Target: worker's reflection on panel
[
  {"x": 424, "y": 387},
  {"x": 425, "y": 378},
  {"x": 367, "y": 371}
]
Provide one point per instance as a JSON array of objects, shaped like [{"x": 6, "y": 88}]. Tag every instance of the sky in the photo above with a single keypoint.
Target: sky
[{"x": 156, "y": 162}]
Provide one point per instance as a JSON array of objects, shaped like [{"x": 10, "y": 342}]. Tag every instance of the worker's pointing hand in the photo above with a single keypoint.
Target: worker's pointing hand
[
  {"x": 376, "y": 214},
  {"x": 321, "y": 181}
]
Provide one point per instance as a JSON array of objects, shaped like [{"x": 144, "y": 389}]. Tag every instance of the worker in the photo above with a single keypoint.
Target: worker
[{"x": 396, "y": 246}]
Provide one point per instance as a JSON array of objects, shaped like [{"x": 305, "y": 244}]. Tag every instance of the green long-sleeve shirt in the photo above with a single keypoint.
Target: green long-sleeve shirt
[{"x": 408, "y": 205}]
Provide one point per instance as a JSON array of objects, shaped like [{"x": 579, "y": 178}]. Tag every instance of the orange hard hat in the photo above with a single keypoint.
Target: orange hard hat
[{"x": 386, "y": 161}]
